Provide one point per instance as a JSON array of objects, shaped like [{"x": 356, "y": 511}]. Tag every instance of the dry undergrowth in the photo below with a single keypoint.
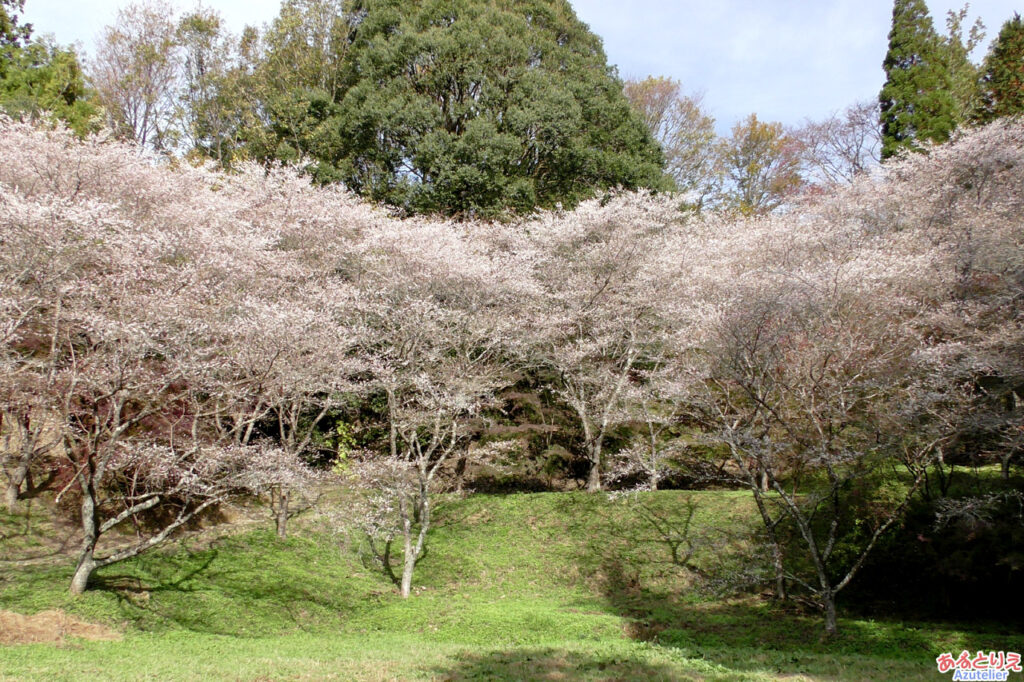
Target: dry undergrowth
[{"x": 49, "y": 626}]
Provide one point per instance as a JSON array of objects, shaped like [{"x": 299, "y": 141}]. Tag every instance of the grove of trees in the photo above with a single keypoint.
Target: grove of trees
[
  {"x": 422, "y": 246},
  {"x": 173, "y": 337},
  {"x": 469, "y": 108},
  {"x": 1002, "y": 75}
]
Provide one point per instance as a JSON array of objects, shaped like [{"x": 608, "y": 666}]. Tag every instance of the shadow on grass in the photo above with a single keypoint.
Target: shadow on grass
[
  {"x": 552, "y": 664},
  {"x": 253, "y": 585},
  {"x": 131, "y": 588},
  {"x": 648, "y": 568}
]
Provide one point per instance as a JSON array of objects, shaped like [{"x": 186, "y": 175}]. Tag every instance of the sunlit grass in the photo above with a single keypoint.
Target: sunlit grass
[{"x": 545, "y": 586}]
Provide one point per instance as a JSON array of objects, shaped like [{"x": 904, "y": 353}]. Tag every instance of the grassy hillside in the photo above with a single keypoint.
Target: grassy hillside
[{"x": 545, "y": 586}]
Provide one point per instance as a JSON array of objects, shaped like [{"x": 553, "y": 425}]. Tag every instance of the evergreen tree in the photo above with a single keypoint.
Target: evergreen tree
[
  {"x": 916, "y": 100},
  {"x": 466, "y": 107},
  {"x": 1002, "y": 82}
]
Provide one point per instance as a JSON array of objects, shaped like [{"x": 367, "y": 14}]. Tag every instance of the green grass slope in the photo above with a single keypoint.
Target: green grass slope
[{"x": 546, "y": 586}]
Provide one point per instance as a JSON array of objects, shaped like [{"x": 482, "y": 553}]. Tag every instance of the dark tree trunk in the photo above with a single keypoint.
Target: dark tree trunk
[
  {"x": 281, "y": 509},
  {"x": 594, "y": 475},
  {"x": 780, "y": 576},
  {"x": 20, "y": 474},
  {"x": 831, "y": 623}
]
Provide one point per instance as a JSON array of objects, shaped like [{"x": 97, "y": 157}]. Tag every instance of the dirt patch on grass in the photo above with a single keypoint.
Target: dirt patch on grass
[{"x": 49, "y": 626}]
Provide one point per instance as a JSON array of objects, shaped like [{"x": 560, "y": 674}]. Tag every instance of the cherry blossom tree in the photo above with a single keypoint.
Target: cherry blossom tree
[
  {"x": 658, "y": 401},
  {"x": 432, "y": 329},
  {"x": 116, "y": 329},
  {"x": 800, "y": 395},
  {"x": 965, "y": 199},
  {"x": 287, "y": 371},
  {"x": 594, "y": 312},
  {"x": 28, "y": 280},
  {"x": 837, "y": 341}
]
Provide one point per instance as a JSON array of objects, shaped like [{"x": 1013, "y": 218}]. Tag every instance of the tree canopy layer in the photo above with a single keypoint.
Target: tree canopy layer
[
  {"x": 916, "y": 101},
  {"x": 39, "y": 76},
  {"x": 44, "y": 77},
  {"x": 1002, "y": 82},
  {"x": 466, "y": 107}
]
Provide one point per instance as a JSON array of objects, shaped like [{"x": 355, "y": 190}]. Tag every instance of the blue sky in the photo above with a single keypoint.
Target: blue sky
[{"x": 786, "y": 60}]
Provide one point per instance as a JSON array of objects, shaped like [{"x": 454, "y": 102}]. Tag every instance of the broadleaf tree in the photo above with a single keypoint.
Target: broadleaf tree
[
  {"x": 39, "y": 77},
  {"x": 210, "y": 101},
  {"x": 465, "y": 108},
  {"x": 12, "y": 33},
  {"x": 685, "y": 131},
  {"x": 136, "y": 73},
  {"x": 760, "y": 163},
  {"x": 45, "y": 78},
  {"x": 843, "y": 146}
]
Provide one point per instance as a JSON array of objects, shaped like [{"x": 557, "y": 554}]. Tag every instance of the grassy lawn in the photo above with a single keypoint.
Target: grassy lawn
[{"x": 546, "y": 586}]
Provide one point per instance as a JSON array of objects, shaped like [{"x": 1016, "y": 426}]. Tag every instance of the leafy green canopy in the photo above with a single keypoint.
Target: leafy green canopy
[
  {"x": 916, "y": 100},
  {"x": 1002, "y": 82},
  {"x": 43, "y": 77},
  {"x": 466, "y": 107},
  {"x": 39, "y": 76}
]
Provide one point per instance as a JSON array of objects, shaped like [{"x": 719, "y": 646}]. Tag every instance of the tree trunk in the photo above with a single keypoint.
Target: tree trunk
[
  {"x": 831, "y": 625},
  {"x": 654, "y": 481},
  {"x": 90, "y": 531},
  {"x": 282, "y": 512},
  {"x": 773, "y": 539},
  {"x": 13, "y": 491},
  {"x": 86, "y": 565},
  {"x": 460, "y": 474},
  {"x": 780, "y": 576},
  {"x": 408, "y": 566},
  {"x": 594, "y": 476},
  {"x": 11, "y": 495},
  {"x": 409, "y": 561}
]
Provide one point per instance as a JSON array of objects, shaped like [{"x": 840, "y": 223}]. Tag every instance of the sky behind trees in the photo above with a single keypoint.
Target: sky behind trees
[{"x": 787, "y": 60}]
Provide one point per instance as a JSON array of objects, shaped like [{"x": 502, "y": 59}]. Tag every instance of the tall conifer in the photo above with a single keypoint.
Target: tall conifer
[
  {"x": 916, "y": 101},
  {"x": 1002, "y": 81}
]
